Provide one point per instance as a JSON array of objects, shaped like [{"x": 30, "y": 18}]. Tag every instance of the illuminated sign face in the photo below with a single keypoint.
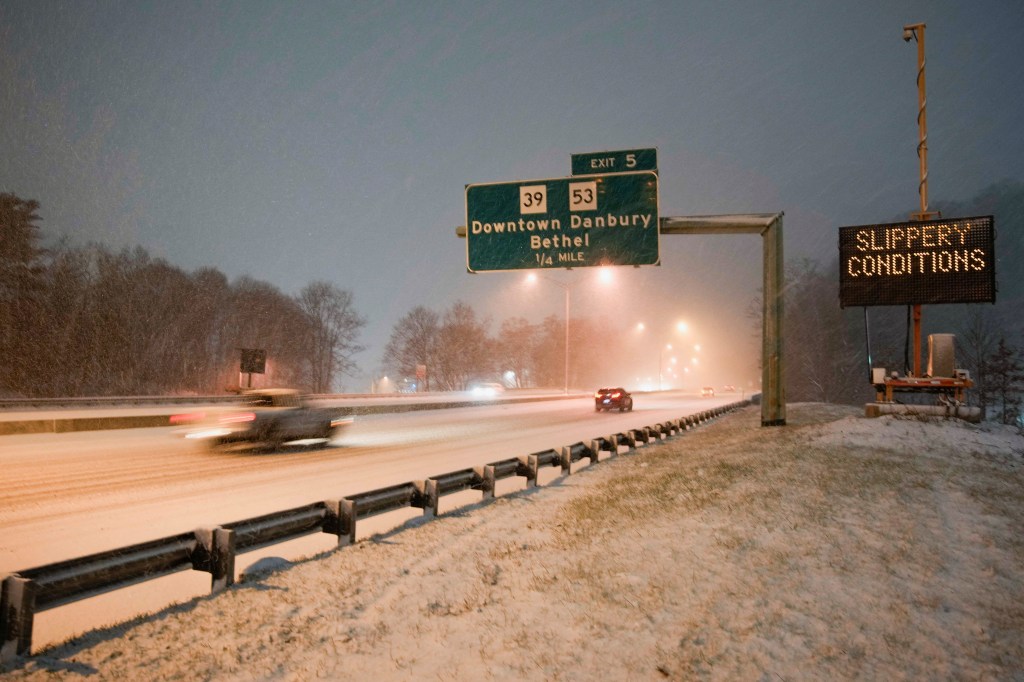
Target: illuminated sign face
[{"x": 918, "y": 263}]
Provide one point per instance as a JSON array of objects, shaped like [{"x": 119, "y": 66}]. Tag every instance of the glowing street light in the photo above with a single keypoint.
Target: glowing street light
[
  {"x": 681, "y": 327},
  {"x": 661, "y": 363}
]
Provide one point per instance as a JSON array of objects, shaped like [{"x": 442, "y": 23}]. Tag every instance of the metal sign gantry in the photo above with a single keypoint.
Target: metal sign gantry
[{"x": 769, "y": 226}]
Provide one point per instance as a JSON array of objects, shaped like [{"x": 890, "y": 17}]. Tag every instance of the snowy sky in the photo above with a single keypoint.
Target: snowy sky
[{"x": 295, "y": 141}]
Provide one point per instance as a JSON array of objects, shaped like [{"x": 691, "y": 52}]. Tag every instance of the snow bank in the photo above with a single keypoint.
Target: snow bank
[{"x": 835, "y": 547}]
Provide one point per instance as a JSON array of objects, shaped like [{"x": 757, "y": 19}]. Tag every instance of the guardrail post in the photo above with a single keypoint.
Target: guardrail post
[
  {"x": 488, "y": 481},
  {"x": 566, "y": 460},
  {"x": 347, "y": 522},
  {"x": 531, "y": 471},
  {"x": 524, "y": 470},
  {"x": 337, "y": 521},
  {"x": 17, "y": 611},
  {"x": 613, "y": 442},
  {"x": 430, "y": 497},
  {"x": 216, "y": 556}
]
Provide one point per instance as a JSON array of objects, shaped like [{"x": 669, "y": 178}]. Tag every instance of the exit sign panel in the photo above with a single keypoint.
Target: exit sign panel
[
  {"x": 624, "y": 161},
  {"x": 563, "y": 222}
]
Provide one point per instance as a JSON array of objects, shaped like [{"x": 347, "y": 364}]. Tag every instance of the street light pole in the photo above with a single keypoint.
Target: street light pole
[
  {"x": 661, "y": 363},
  {"x": 565, "y": 287}
]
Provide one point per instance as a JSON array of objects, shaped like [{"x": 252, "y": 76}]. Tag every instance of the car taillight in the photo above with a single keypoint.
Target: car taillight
[
  {"x": 238, "y": 418},
  {"x": 616, "y": 394},
  {"x": 185, "y": 418},
  {"x": 598, "y": 394}
]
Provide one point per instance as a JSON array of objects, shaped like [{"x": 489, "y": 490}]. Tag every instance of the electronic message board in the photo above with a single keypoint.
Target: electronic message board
[{"x": 918, "y": 263}]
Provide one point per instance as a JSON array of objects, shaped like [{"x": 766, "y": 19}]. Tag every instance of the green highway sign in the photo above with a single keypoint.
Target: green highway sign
[
  {"x": 627, "y": 160},
  {"x": 563, "y": 222}
]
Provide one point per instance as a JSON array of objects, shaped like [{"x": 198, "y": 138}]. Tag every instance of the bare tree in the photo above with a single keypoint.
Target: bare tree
[
  {"x": 413, "y": 343},
  {"x": 333, "y": 326},
  {"x": 825, "y": 356},
  {"x": 979, "y": 337},
  {"x": 67, "y": 331},
  {"x": 464, "y": 349},
  {"x": 548, "y": 356},
  {"x": 515, "y": 343}
]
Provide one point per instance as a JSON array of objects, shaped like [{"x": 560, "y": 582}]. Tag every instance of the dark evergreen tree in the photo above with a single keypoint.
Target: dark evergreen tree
[
  {"x": 1005, "y": 371},
  {"x": 21, "y": 294}
]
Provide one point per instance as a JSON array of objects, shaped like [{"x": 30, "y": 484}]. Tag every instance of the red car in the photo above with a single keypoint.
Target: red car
[{"x": 613, "y": 398}]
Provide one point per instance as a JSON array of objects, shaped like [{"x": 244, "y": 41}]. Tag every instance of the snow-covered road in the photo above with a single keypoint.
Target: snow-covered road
[
  {"x": 69, "y": 495},
  {"x": 66, "y": 495}
]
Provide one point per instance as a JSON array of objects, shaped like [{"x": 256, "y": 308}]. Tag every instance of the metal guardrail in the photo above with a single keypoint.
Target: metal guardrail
[
  {"x": 213, "y": 549},
  {"x": 112, "y": 401}
]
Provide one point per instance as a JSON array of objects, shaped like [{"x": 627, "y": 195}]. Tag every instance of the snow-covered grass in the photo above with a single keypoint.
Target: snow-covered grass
[{"x": 835, "y": 547}]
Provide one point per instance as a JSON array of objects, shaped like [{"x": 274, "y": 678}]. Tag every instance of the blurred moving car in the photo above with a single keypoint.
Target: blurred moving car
[
  {"x": 486, "y": 390},
  {"x": 271, "y": 417},
  {"x": 613, "y": 398},
  {"x": 707, "y": 392}
]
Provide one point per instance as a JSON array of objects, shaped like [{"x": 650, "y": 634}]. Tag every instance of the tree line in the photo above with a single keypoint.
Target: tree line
[
  {"x": 450, "y": 349},
  {"x": 84, "y": 320}
]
